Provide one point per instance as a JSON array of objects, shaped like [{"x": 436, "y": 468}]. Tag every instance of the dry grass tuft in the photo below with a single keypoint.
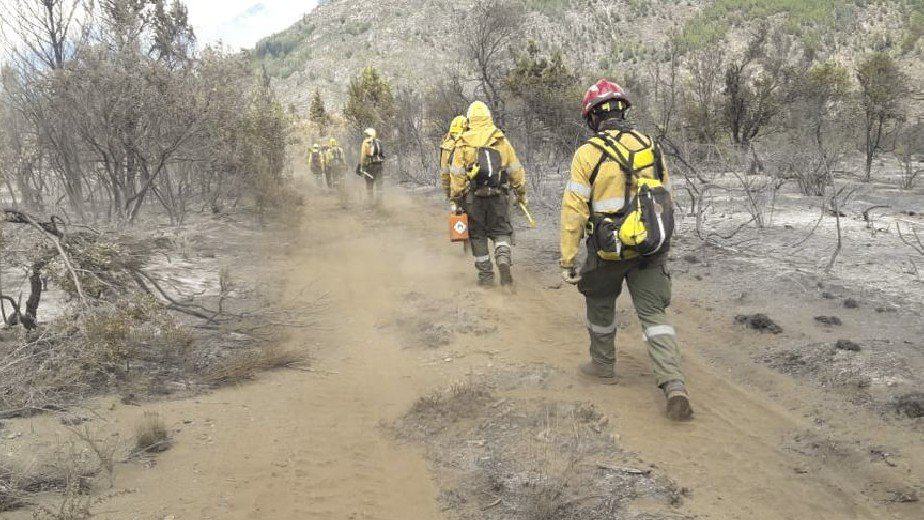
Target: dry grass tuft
[
  {"x": 462, "y": 400},
  {"x": 245, "y": 366},
  {"x": 151, "y": 434}
]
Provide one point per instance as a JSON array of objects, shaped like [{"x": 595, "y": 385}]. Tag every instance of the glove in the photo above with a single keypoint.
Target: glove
[
  {"x": 570, "y": 275},
  {"x": 521, "y": 199}
]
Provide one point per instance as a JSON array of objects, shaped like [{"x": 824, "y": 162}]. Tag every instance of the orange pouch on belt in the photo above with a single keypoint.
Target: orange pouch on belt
[{"x": 458, "y": 227}]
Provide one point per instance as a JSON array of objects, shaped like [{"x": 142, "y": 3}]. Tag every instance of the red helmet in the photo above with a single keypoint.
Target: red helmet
[{"x": 601, "y": 92}]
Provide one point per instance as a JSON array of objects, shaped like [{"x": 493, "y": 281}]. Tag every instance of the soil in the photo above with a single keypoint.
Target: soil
[
  {"x": 349, "y": 437},
  {"x": 759, "y": 322}
]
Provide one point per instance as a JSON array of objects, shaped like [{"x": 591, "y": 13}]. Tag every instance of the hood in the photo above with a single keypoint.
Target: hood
[
  {"x": 449, "y": 142},
  {"x": 481, "y": 129},
  {"x": 458, "y": 126}
]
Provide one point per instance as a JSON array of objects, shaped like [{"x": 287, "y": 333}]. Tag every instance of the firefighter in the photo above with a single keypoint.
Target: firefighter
[
  {"x": 336, "y": 164},
  {"x": 484, "y": 171},
  {"x": 456, "y": 128},
  {"x": 606, "y": 172},
  {"x": 316, "y": 164},
  {"x": 370, "y": 167}
]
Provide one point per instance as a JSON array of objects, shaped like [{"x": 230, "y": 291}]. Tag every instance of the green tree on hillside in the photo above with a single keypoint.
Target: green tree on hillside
[
  {"x": 317, "y": 113},
  {"x": 546, "y": 91},
  {"x": 370, "y": 101},
  {"x": 826, "y": 87},
  {"x": 817, "y": 123},
  {"x": 882, "y": 87},
  {"x": 265, "y": 129},
  {"x": 756, "y": 85}
]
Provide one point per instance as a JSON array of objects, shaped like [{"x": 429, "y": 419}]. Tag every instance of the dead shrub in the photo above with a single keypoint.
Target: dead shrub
[
  {"x": 11, "y": 495},
  {"x": 67, "y": 471},
  {"x": 246, "y": 365},
  {"x": 137, "y": 329},
  {"x": 105, "y": 451},
  {"x": 105, "y": 348},
  {"x": 151, "y": 434},
  {"x": 462, "y": 400},
  {"x": 548, "y": 498},
  {"x": 73, "y": 505}
]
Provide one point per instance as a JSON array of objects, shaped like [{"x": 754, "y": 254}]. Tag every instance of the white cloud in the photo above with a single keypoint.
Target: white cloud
[{"x": 241, "y": 23}]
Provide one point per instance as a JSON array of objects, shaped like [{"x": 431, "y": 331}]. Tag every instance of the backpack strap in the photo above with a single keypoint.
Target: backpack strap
[
  {"x": 611, "y": 148},
  {"x": 659, "y": 163},
  {"x": 593, "y": 177}
]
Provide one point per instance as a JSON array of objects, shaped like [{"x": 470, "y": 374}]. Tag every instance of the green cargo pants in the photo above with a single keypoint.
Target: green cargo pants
[
  {"x": 489, "y": 218},
  {"x": 374, "y": 184},
  {"x": 649, "y": 285}
]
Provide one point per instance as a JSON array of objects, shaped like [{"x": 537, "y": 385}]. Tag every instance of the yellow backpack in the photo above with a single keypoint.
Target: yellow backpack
[{"x": 646, "y": 223}]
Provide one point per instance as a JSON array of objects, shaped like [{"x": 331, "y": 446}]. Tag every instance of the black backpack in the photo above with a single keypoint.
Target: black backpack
[
  {"x": 378, "y": 155},
  {"x": 315, "y": 161},
  {"x": 488, "y": 168}
]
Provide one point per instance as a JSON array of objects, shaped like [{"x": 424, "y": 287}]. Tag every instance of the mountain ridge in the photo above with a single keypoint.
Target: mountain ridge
[{"x": 413, "y": 42}]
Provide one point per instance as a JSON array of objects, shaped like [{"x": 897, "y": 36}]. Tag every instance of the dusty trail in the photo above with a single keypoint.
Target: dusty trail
[{"x": 309, "y": 444}]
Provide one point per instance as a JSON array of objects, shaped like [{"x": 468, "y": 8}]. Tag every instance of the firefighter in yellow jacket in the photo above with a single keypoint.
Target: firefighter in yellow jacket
[
  {"x": 596, "y": 202},
  {"x": 447, "y": 148},
  {"x": 371, "y": 159},
  {"x": 317, "y": 164},
  {"x": 335, "y": 164},
  {"x": 484, "y": 171}
]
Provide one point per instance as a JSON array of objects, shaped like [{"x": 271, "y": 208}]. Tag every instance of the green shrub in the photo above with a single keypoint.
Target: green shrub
[
  {"x": 802, "y": 17},
  {"x": 356, "y": 28},
  {"x": 549, "y": 7}
]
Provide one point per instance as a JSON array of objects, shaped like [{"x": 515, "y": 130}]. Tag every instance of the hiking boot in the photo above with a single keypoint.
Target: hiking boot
[
  {"x": 597, "y": 370},
  {"x": 506, "y": 277},
  {"x": 678, "y": 401},
  {"x": 485, "y": 273}
]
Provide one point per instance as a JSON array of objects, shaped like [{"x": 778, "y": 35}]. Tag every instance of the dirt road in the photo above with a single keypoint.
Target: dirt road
[{"x": 311, "y": 444}]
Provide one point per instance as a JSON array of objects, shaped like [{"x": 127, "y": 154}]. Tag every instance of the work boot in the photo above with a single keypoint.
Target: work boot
[
  {"x": 597, "y": 370},
  {"x": 678, "y": 401},
  {"x": 506, "y": 277},
  {"x": 485, "y": 273}
]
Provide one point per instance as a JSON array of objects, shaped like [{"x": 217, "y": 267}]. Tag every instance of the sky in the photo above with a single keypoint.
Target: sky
[{"x": 239, "y": 24}]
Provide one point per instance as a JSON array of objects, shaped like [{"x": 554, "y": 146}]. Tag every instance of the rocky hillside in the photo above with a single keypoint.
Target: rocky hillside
[{"x": 414, "y": 40}]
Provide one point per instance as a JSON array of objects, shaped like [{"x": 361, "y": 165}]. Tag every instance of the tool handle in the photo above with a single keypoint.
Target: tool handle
[{"x": 526, "y": 213}]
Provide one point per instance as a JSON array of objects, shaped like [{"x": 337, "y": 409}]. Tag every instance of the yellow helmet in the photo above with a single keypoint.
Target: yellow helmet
[
  {"x": 332, "y": 142},
  {"x": 315, "y": 146},
  {"x": 370, "y": 133},
  {"x": 458, "y": 126}
]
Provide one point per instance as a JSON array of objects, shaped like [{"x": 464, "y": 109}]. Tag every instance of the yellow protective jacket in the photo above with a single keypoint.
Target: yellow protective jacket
[
  {"x": 365, "y": 152},
  {"x": 482, "y": 133},
  {"x": 334, "y": 155},
  {"x": 608, "y": 190},
  {"x": 446, "y": 149}
]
